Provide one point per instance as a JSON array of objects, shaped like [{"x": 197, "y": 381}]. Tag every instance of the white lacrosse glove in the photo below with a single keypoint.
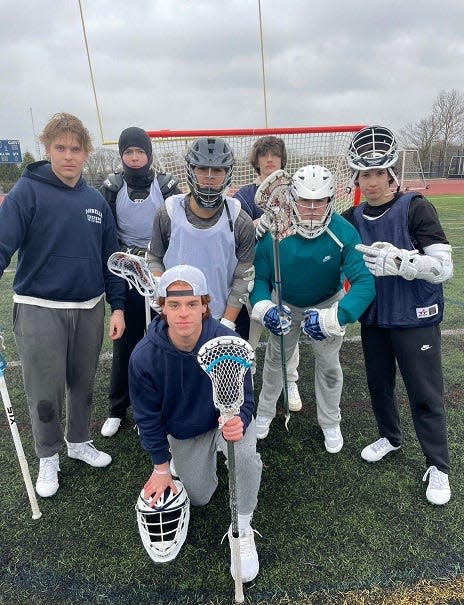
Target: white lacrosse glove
[
  {"x": 268, "y": 314},
  {"x": 382, "y": 259},
  {"x": 320, "y": 324},
  {"x": 262, "y": 226},
  {"x": 227, "y": 323}
]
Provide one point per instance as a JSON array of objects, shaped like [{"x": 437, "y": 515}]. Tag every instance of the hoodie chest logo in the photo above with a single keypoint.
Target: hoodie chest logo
[{"x": 93, "y": 215}]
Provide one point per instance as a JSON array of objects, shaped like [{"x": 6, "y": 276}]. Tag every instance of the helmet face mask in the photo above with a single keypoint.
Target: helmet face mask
[
  {"x": 209, "y": 153},
  {"x": 312, "y": 183},
  {"x": 163, "y": 528},
  {"x": 373, "y": 148}
]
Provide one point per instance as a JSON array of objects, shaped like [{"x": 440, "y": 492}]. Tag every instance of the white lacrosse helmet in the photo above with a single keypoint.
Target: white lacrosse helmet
[
  {"x": 312, "y": 183},
  {"x": 163, "y": 527},
  {"x": 373, "y": 147}
]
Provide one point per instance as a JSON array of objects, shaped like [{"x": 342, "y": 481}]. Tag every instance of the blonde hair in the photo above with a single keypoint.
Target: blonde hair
[{"x": 66, "y": 123}]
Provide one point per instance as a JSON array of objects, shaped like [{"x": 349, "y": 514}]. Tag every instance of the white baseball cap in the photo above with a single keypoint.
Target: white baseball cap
[{"x": 186, "y": 273}]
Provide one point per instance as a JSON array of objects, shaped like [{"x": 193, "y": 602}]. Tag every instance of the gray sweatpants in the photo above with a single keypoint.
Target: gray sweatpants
[
  {"x": 59, "y": 351},
  {"x": 328, "y": 375},
  {"x": 195, "y": 460}
]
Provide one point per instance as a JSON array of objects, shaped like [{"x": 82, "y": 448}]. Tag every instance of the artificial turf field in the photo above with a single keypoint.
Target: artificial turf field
[{"x": 334, "y": 529}]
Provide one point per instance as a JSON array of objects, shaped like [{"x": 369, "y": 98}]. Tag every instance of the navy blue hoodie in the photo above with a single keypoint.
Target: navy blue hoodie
[
  {"x": 171, "y": 394},
  {"x": 64, "y": 236}
]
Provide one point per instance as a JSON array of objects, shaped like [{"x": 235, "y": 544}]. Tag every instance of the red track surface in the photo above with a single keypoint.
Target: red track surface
[{"x": 445, "y": 187}]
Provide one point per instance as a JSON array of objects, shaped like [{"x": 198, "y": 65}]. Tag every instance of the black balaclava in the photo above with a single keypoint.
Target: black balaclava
[{"x": 137, "y": 137}]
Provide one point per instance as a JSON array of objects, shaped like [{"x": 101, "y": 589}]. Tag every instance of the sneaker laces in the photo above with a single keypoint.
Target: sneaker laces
[
  {"x": 88, "y": 448},
  {"x": 247, "y": 542},
  {"x": 437, "y": 479},
  {"x": 292, "y": 390},
  {"x": 380, "y": 444},
  {"x": 47, "y": 470},
  {"x": 331, "y": 433}
]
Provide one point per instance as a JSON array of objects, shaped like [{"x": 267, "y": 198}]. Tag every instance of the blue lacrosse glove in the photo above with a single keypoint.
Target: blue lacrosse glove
[
  {"x": 322, "y": 323},
  {"x": 278, "y": 321},
  {"x": 311, "y": 326}
]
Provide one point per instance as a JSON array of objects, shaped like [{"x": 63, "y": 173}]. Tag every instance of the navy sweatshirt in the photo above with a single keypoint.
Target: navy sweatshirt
[
  {"x": 64, "y": 236},
  {"x": 171, "y": 394}
]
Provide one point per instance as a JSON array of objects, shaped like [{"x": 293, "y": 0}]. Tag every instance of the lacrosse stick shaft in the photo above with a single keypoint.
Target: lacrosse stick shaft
[
  {"x": 36, "y": 514},
  {"x": 147, "y": 313},
  {"x": 235, "y": 543},
  {"x": 283, "y": 360}
]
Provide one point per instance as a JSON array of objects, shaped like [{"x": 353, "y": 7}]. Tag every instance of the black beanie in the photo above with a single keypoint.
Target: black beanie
[{"x": 135, "y": 137}]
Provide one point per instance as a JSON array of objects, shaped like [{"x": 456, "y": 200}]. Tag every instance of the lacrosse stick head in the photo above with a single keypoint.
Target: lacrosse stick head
[
  {"x": 226, "y": 360},
  {"x": 274, "y": 196},
  {"x": 135, "y": 271},
  {"x": 163, "y": 527}
]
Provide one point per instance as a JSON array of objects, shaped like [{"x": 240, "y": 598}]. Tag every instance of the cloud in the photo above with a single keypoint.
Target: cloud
[{"x": 190, "y": 64}]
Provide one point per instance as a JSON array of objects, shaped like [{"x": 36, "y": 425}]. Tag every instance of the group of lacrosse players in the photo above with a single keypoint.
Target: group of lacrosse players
[{"x": 219, "y": 261}]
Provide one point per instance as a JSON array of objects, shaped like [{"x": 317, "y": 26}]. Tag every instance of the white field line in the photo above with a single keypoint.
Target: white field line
[{"x": 107, "y": 355}]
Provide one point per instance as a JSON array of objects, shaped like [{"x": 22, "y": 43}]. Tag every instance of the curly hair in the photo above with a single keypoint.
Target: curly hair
[
  {"x": 264, "y": 145},
  {"x": 66, "y": 123}
]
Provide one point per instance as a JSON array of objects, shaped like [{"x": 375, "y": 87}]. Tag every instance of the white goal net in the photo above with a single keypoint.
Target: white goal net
[
  {"x": 324, "y": 145},
  {"x": 409, "y": 172}
]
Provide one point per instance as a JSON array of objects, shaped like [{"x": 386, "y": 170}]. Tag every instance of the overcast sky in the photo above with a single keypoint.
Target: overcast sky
[{"x": 191, "y": 64}]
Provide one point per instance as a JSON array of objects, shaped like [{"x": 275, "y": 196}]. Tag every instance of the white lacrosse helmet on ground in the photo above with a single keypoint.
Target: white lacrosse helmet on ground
[
  {"x": 372, "y": 148},
  {"x": 313, "y": 183},
  {"x": 163, "y": 527}
]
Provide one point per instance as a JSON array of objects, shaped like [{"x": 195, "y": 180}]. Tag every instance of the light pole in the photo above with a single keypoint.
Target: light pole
[{"x": 262, "y": 63}]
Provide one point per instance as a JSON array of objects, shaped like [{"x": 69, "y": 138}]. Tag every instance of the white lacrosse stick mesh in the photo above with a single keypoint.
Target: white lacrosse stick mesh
[
  {"x": 275, "y": 198},
  {"x": 226, "y": 359},
  {"x": 134, "y": 269}
]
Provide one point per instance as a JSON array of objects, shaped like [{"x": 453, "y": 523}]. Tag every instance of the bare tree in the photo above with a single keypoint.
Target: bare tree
[
  {"x": 100, "y": 163},
  {"x": 434, "y": 136},
  {"x": 448, "y": 110}
]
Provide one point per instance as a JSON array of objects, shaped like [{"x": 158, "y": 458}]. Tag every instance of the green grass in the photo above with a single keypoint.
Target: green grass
[{"x": 335, "y": 530}]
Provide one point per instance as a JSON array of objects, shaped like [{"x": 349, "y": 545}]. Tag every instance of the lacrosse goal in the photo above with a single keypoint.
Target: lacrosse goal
[
  {"x": 410, "y": 173},
  {"x": 324, "y": 145}
]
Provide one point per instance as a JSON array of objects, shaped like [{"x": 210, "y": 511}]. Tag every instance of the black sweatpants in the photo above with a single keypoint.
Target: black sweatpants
[
  {"x": 134, "y": 317},
  {"x": 418, "y": 354}
]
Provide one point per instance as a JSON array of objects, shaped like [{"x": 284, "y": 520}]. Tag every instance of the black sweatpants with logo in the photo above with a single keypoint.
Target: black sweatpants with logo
[{"x": 417, "y": 352}]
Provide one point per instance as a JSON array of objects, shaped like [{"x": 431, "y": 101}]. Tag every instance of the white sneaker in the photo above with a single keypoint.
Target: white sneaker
[
  {"x": 262, "y": 426},
  {"x": 88, "y": 453},
  {"x": 47, "y": 481},
  {"x": 248, "y": 555},
  {"x": 377, "y": 450},
  {"x": 294, "y": 399},
  {"x": 333, "y": 439},
  {"x": 111, "y": 426},
  {"x": 438, "y": 490}
]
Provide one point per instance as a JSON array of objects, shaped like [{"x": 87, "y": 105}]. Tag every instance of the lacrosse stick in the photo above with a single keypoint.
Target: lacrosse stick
[
  {"x": 226, "y": 359},
  {"x": 273, "y": 196},
  {"x": 36, "y": 514},
  {"x": 134, "y": 269}
]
